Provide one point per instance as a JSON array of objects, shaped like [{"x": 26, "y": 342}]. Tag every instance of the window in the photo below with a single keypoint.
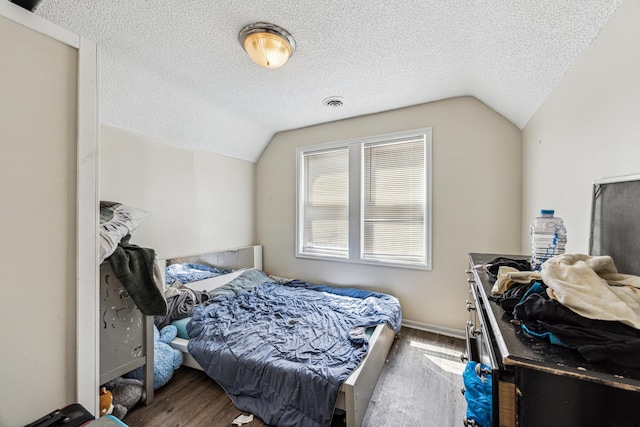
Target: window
[{"x": 366, "y": 201}]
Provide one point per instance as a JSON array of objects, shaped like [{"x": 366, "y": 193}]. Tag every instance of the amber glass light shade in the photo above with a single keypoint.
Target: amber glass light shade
[{"x": 266, "y": 44}]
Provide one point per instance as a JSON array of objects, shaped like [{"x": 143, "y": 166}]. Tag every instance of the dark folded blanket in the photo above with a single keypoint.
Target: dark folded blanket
[
  {"x": 180, "y": 304},
  {"x": 134, "y": 267}
]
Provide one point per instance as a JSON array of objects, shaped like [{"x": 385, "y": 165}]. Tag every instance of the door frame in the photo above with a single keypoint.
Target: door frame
[{"x": 87, "y": 350}]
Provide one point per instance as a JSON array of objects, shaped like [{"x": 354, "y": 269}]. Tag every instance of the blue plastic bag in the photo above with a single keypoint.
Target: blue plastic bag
[{"x": 477, "y": 383}]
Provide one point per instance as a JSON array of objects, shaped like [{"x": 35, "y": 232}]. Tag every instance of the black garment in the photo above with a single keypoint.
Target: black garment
[
  {"x": 494, "y": 265},
  {"x": 133, "y": 266},
  {"x": 512, "y": 296},
  {"x": 596, "y": 340}
]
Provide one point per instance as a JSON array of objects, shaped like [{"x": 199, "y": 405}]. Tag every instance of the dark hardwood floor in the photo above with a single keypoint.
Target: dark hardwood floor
[{"x": 419, "y": 386}]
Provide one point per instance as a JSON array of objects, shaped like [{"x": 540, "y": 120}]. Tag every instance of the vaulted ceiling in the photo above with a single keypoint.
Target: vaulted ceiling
[{"x": 174, "y": 69}]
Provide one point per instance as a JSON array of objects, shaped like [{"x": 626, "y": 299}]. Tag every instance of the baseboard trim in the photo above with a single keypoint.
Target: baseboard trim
[{"x": 442, "y": 330}]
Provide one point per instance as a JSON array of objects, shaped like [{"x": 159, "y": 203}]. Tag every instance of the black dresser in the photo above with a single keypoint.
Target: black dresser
[{"x": 536, "y": 384}]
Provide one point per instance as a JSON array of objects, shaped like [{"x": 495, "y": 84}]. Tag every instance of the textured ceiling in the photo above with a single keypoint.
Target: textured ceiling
[{"x": 173, "y": 69}]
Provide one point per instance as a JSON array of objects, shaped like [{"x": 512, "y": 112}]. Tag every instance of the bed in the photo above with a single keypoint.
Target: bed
[{"x": 354, "y": 390}]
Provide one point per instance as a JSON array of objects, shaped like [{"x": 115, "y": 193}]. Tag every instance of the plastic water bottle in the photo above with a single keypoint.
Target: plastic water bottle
[{"x": 548, "y": 237}]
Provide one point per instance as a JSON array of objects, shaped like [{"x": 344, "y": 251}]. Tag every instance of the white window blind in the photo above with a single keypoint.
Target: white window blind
[
  {"x": 326, "y": 202},
  {"x": 366, "y": 201},
  {"x": 394, "y": 201}
]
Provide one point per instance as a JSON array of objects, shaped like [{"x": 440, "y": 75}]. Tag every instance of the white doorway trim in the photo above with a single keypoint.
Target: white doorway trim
[{"x": 87, "y": 296}]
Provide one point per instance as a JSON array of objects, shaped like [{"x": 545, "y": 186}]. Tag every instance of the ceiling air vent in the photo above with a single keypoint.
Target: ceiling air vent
[
  {"x": 30, "y": 5},
  {"x": 333, "y": 102}
]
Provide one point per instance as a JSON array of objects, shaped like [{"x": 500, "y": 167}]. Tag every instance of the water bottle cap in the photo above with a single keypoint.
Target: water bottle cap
[{"x": 547, "y": 211}]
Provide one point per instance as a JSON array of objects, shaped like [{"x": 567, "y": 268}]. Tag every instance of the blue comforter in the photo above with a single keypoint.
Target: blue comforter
[{"x": 282, "y": 352}]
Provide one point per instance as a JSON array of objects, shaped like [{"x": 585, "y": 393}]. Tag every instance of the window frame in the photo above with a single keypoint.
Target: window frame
[{"x": 356, "y": 188}]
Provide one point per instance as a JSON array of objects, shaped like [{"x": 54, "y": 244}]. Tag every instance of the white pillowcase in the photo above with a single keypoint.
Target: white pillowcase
[{"x": 116, "y": 221}]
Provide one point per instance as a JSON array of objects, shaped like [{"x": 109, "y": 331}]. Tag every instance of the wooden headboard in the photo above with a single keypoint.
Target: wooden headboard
[{"x": 245, "y": 257}]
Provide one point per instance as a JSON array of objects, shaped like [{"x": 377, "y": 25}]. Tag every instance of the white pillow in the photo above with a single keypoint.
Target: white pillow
[{"x": 116, "y": 221}]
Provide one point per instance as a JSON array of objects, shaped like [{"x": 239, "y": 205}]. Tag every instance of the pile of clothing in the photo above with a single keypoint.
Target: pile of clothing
[
  {"x": 576, "y": 301},
  {"x": 180, "y": 299}
]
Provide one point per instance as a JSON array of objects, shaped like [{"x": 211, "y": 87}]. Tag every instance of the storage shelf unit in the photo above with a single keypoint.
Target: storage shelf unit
[{"x": 126, "y": 335}]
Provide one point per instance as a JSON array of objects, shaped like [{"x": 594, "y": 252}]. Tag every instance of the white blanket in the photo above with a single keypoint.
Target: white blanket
[{"x": 593, "y": 288}]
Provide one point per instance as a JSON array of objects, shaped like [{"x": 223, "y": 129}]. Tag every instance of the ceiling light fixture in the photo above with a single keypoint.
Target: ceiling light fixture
[{"x": 268, "y": 45}]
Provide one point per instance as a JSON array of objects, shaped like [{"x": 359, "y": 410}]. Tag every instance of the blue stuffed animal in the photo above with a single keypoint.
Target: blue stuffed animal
[{"x": 166, "y": 359}]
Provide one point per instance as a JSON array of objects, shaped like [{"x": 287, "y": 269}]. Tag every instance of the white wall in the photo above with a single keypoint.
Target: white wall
[
  {"x": 476, "y": 204},
  {"x": 588, "y": 128},
  {"x": 38, "y": 98},
  {"x": 199, "y": 201}
]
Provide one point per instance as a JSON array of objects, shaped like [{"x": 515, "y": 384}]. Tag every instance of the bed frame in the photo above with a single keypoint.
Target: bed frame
[{"x": 357, "y": 389}]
